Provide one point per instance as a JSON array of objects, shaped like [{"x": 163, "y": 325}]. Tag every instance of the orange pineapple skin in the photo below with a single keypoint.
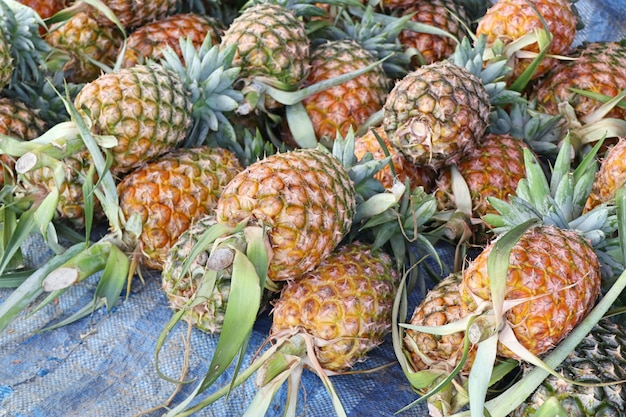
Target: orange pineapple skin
[
  {"x": 557, "y": 269},
  {"x": 599, "y": 67},
  {"x": 509, "y": 20},
  {"x": 609, "y": 178},
  {"x": 439, "y": 14},
  {"x": 351, "y": 103},
  {"x": 133, "y": 14},
  {"x": 306, "y": 200},
  {"x": 492, "y": 169},
  {"x": 346, "y": 300},
  {"x": 170, "y": 193},
  {"x": 418, "y": 176},
  {"x": 147, "y": 41}
]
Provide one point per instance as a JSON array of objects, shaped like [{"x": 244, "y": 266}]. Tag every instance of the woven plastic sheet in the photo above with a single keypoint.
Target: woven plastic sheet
[{"x": 104, "y": 365}]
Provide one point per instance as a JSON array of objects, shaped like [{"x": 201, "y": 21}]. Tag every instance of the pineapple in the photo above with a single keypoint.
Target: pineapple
[
  {"x": 272, "y": 44},
  {"x": 609, "y": 178},
  {"x": 306, "y": 200},
  {"x": 597, "y": 359},
  {"x": 146, "y": 41},
  {"x": 556, "y": 260},
  {"x": 149, "y": 108},
  {"x": 448, "y": 15},
  {"x": 346, "y": 300},
  {"x": 45, "y": 9},
  {"x": 493, "y": 168},
  {"x": 557, "y": 271},
  {"x": 180, "y": 287},
  {"x": 18, "y": 121},
  {"x": 132, "y": 14},
  {"x": 436, "y": 113},
  {"x": 84, "y": 41},
  {"x": 439, "y": 355},
  {"x": 509, "y": 20},
  {"x": 418, "y": 176},
  {"x": 352, "y": 46},
  {"x": 595, "y": 67},
  {"x": 170, "y": 193},
  {"x": 440, "y": 306}
]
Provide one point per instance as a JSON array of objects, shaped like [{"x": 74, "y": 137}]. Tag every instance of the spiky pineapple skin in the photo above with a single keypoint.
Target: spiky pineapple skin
[
  {"x": 556, "y": 270},
  {"x": 71, "y": 205},
  {"x": 271, "y": 42},
  {"x": 442, "y": 14},
  {"x": 306, "y": 200},
  {"x": 170, "y": 193},
  {"x": 418, "y": 176},
  {"x": 609, "y": 178},
  {"x": 598, "y": 358},
  {"x": 598, "y": 67},
  {"x": 440, "y": 306},
  {"x": 347, "y": 300},
  {"x": 82, "y": 37},
  {"x": 147, "y": 41},
  {"x": 179, "y": 288},
  {"x": 132, "y": 14},
  {"x": 349, "y": 104},
  {"x": 145, "y": 107},
  {"x": 492, "y": 169},
  {"x": 509, "y": 20},
  {"x": 436, "y": 113},
  {"x": 20, "y": 122}
]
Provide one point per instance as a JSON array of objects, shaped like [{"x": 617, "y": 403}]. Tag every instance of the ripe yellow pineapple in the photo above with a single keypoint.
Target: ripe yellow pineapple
[
  {"x": 610, "y": 177},
  {"x": 306, "y": 200},
  {"x": 594, "y": 67},
  {"x": 171, "y": 193},
  {"x": 491, "y": 169},
  {"x": 346, "y": 300},
  {"x": 132, "y": 14},
  {"x": 84, "y": 40},
  {"x": 555, "y": 271},
  {"x": 272, "y": 44},
  {"x": 448, "y": 15},
  {"x": 147, "y": 41},
  {"x": 510, "y": 20},
  {"x": 149, "y": 108},
  {"x": 436, "y": 113}
]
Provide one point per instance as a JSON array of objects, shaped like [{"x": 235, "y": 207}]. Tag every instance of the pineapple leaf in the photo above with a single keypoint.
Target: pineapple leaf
[
  {"x": 620, "y": 202},
  {"x": 243, "y": 306},
  {"x": 300, "y": 126},
  {"x": 87, "y": 309},
  {"x": 480, "y": 375},
  {"x": 31, "y": 288}
]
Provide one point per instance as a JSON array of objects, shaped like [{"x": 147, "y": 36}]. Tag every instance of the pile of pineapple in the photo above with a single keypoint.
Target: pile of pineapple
[{"x": 306, "y": 158}]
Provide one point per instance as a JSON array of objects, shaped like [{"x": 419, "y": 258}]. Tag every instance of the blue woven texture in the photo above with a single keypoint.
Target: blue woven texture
[{"x": 103, "y": 365}]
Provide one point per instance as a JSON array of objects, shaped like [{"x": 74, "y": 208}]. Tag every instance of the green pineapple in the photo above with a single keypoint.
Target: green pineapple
[{"x": 598, "y": 359}]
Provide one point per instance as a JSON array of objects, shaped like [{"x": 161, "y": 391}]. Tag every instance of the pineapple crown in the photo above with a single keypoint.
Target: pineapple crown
[
  {"x": 471, "y": 57},
  {"x": 207, "y": 74},
  {"x": 44, "y": 96},
  {"x": 20, "y": 26},
  {"x": 377, "y": 36},
  {"x": 541, "y": 131},
  {"x": 559, "y": 200}
]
